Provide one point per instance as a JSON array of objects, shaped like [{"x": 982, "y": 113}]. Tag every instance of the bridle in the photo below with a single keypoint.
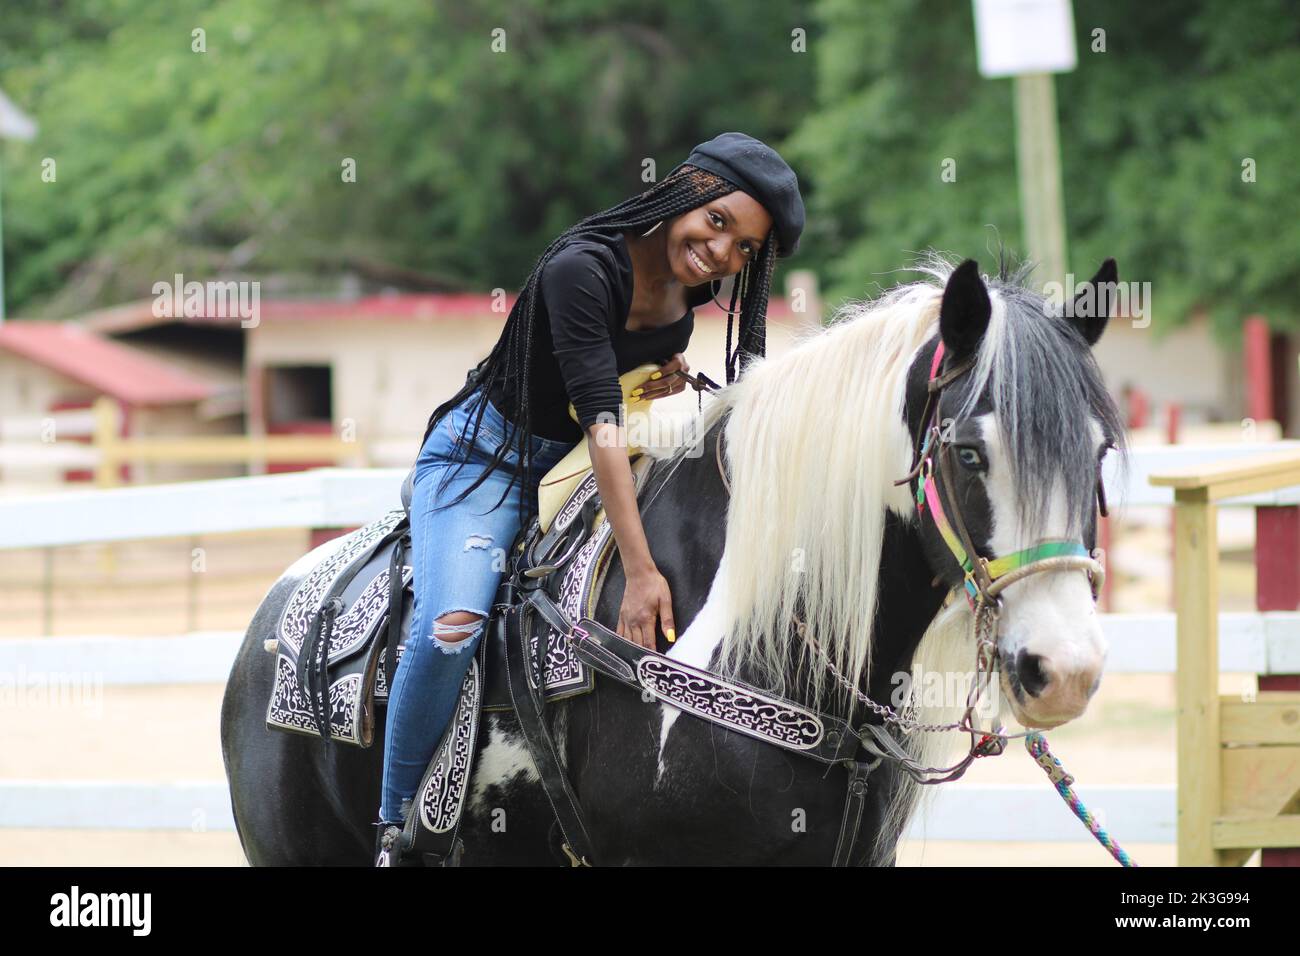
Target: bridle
[
  {"x": 984, "y": 580},
  {"x": 932, "y": 465}
]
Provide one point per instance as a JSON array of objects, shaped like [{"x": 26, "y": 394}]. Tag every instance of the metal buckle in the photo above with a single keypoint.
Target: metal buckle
[
  {"x": 574, "y": 859},
  {"x": 1055, "y": 771}
]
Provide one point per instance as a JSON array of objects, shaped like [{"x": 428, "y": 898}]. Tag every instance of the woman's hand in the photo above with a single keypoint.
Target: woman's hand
[
  {"x": 646, "y": 598},
  {"x": 666, "y": 383}
]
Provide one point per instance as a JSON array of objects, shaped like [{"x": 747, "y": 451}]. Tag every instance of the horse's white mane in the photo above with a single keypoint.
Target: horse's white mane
[
  {"x": 809, "y": 491},
  {"x": 814, "y": 442}
]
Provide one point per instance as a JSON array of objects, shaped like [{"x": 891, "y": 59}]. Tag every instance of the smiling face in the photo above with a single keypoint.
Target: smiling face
[{"x": 717, "y": 239}]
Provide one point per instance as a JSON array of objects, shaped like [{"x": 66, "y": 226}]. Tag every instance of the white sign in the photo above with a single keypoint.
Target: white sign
[
  {"x": 1024, "y": 36},
  {"x": 14, "y": 124}
]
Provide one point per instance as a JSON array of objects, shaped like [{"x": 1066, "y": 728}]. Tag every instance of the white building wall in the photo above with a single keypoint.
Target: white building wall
[{"x": 390, "y": 375}]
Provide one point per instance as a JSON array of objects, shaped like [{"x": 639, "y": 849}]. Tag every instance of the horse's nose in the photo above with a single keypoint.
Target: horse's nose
[
  {"x": 1032, "y": 672},
  {"x": 1054, "y": 687}
]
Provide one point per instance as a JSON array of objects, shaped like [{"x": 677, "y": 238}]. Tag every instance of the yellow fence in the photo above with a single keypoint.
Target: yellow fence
[
  {"x": 1238, "y": 760},
  {"x": 113, "y": 451}
]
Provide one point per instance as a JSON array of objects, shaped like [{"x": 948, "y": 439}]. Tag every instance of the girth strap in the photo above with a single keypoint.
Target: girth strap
[
  {"x": 529, "y": 705},
  {"x": 854, "y": 803}
]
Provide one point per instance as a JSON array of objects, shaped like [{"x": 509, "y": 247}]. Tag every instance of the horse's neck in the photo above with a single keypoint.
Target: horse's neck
[
  {"x": 906, "y": 605},
  {"x": 687, "y": 525},
  {"x": 683, "y": 511}
]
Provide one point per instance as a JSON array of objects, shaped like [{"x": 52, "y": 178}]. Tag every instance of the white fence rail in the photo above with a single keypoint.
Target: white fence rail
[
  {"x": 321, "y": 498},
  {"x": 342, "y": 497},
  {"x": 960, "y": 811},
  {"x": 338, "y": 497},
  {"x": 49, "y": 429},
  {"x": 1139, "y": 644}
]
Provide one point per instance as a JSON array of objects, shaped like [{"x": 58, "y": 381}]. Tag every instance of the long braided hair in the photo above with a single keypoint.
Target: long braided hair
[{"x": 687, "y": 188}]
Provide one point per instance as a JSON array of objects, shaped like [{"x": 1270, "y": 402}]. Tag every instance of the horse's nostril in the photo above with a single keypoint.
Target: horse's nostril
[{"x": 1029, "y": 668}]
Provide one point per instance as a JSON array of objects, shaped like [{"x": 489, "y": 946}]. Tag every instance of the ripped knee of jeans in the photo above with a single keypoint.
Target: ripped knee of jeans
[{"x": 455, "y": 638}]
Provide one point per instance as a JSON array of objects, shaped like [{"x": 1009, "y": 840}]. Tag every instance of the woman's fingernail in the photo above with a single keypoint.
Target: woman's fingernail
[
  {"x": 672, "y": 635},
  {"x": 655, "y": 374},
  {"x": 636, "y": 392}
]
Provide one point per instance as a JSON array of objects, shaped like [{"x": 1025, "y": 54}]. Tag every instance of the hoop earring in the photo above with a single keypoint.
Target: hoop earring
[
  {"x": 715, "y": 296},
  {"x": 652, "y": 228}
]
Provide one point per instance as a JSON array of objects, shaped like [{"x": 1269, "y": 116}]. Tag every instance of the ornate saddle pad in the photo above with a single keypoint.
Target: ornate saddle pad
[
  {"x": 580, "y": 530},
  {"x": 343, "y": 604}
]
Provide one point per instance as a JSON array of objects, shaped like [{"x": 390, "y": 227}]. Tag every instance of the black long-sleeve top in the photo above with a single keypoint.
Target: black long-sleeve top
[{"x": 580, "y": 344}]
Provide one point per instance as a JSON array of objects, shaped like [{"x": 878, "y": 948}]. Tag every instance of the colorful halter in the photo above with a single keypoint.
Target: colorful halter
[{"x": 983, "y": 578}]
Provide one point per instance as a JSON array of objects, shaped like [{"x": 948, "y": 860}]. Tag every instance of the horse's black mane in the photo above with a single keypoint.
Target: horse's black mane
[{"x": 1041, "y": 375}]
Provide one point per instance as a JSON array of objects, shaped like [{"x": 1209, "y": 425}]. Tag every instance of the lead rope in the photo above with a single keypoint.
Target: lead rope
[{"x": 1036, "y": 744}]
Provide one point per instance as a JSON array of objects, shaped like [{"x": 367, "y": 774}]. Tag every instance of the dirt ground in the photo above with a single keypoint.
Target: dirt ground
[{"x": 171, "y": 733}]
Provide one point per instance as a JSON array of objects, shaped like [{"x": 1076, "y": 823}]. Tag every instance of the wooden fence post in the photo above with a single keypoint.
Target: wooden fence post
[
  {"x": 1196, "y": 600},
  {"x": 1236, "y": 758},
  {"x": 106, "y": 441}
]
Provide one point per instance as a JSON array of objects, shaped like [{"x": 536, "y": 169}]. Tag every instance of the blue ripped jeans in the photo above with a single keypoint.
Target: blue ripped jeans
[{"x": 458, "y": 555}]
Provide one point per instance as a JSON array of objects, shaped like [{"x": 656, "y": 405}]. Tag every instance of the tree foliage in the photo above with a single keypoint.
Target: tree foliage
[
  {"x": 1154, "y": 132},
  {"x": 469, "y": 159}
]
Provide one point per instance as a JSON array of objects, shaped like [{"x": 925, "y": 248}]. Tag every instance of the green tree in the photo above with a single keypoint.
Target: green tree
[
  {"x": 1154, "y": 134},
  {"x": 468, "y": 159}
]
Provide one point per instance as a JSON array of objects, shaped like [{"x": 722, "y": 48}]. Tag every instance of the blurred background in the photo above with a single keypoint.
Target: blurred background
[{"x": 366, "y": 183}]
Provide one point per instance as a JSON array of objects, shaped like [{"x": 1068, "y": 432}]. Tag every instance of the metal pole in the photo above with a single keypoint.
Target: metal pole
[
  {"x": 2, "y": 249},
  {"x": 1038, "y": 156}
]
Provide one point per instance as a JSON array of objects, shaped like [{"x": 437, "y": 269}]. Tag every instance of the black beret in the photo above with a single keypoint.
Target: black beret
[{"x": 756, "y": 168}]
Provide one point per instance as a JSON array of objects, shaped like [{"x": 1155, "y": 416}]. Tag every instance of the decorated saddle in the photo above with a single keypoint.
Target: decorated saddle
[{"x": 351, "y": 614}]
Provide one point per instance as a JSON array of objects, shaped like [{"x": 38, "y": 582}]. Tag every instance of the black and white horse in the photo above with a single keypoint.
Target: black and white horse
[{"x": 809, "y": 521}]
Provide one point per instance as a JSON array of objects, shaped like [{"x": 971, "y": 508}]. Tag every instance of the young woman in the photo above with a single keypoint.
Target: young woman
[{"x": 613, "y": 292}]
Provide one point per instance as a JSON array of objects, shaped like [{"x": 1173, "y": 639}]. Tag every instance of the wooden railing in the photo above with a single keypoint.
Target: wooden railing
[
  {"x": 1238, "y": 759},
  {"x": 91, "y": 440},
  {"x": 112, "y": 450}
]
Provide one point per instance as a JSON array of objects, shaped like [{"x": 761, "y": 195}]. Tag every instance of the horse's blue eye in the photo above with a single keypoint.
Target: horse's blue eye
[{"x": 969, "y": 457}]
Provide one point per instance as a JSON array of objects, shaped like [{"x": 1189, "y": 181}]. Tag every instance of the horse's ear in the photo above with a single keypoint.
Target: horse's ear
[
  {"x": 1093, "y": 303},
  {"x": 964, "y": 314}
]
